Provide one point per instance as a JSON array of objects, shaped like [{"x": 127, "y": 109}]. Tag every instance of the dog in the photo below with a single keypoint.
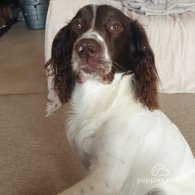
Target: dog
[{"x": 103, "y": 65}]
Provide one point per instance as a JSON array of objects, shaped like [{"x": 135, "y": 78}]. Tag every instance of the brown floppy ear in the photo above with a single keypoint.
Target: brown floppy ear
[
  {"x": 60, "y": 64},
  {"x": 143, "y": 66}
]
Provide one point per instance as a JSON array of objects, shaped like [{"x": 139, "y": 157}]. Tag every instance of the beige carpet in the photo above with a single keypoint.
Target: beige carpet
[
  {"x": 180, "y": 108},
  {"x": 35, "y": 157},
  {"x": 21, "y": 61}
]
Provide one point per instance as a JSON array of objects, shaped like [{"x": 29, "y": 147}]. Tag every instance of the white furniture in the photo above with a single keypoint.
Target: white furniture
[{"x": 172, "y": 38}]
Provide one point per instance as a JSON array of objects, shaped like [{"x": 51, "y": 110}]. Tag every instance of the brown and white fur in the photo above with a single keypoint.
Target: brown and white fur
[{"x": 103, "y": 65}]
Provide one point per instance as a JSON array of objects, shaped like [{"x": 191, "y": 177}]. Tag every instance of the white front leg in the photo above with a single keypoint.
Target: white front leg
[{"x": 114, "y": 161}]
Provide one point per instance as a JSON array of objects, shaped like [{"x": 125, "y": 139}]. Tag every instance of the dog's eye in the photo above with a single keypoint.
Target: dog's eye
[
  {"x": 116, "y": 27},
  {"x": 77, "y": 24}
]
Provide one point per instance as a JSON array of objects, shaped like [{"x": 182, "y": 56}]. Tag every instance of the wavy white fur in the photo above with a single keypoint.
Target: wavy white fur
[{"x": 125, "y": 146}]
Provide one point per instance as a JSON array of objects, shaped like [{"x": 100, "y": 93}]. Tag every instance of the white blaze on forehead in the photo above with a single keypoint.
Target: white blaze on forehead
[
  {"x": 92, "y": 34},
  {"x": 94, "y": 7}
]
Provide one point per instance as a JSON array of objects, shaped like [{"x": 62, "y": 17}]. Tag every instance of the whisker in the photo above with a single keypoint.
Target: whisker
[
  {"x": 116, "y": 67},
  {"x": 67, "y": 65},
  {"x": 119, "y": 68},
  {"x": 113, "y": 64}
]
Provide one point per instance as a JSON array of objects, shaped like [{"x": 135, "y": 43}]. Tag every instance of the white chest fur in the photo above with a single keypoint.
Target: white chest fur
[
  {"x": 94, "y": 105},
  {"x": 107, "y": 125}
]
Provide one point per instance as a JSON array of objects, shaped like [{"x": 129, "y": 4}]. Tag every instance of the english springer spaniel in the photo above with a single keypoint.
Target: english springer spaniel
[{"x": 103, "y": 65}]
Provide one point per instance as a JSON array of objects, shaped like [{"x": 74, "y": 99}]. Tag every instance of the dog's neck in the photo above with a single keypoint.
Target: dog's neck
[
  {"x": 94, "y": 104},
  {"x": 94, "y": 96}
]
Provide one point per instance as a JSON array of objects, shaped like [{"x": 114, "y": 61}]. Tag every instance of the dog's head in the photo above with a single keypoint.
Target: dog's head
[{"x": 98, "y": 42}]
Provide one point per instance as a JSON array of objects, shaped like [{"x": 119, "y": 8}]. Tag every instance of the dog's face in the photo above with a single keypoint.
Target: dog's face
[
  {"x": 102, "y": 33},
  {"x": 98, "y": 42}
]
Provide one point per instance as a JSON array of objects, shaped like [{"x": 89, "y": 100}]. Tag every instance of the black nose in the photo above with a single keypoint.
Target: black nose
[{"x": 87, "y": 48}]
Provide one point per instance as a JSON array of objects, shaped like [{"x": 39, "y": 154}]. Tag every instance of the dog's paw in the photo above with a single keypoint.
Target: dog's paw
[{"x": 52, "y": 107}]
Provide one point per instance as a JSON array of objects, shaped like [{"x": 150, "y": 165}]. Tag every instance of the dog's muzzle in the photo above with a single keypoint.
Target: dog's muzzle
[{"x": 91, "y": 54}]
